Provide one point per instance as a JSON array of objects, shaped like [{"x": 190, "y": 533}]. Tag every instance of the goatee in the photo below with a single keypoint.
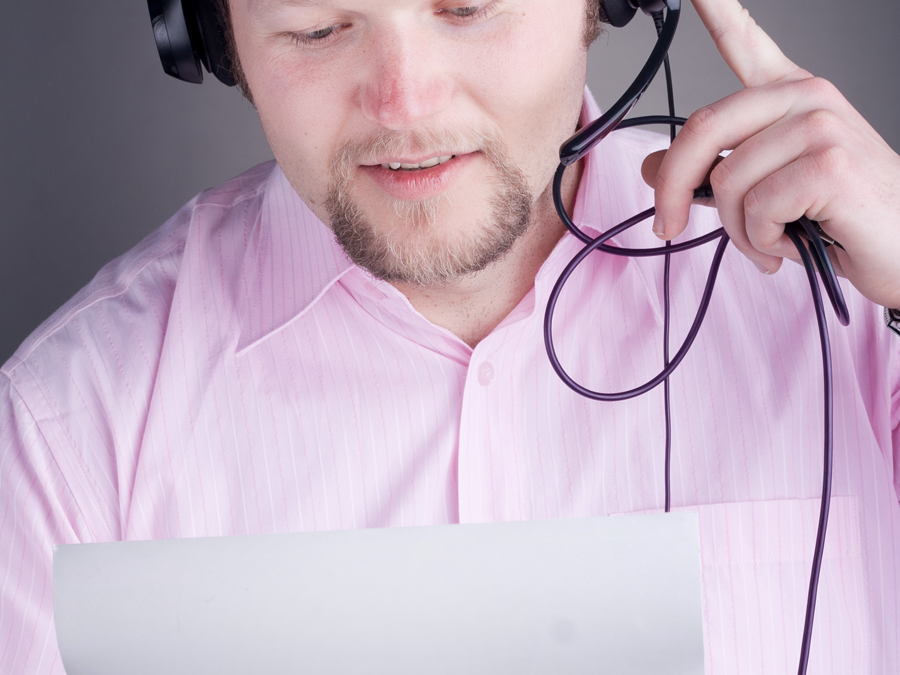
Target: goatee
[{"x": 418, "y": 252}]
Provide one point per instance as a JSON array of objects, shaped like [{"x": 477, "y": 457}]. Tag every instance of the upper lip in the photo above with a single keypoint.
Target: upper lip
[{"x": 417, "y": 159}]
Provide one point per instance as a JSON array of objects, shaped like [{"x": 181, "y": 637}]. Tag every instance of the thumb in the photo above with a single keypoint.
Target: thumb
[
  {"x": 650, "y": 167},
  {"x": 650, "y": 170}
]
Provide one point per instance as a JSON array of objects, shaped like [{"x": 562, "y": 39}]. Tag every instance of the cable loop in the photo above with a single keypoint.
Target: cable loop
[
  {"x": 596, "y": 244},
  {"x": 813, "y": 258}
]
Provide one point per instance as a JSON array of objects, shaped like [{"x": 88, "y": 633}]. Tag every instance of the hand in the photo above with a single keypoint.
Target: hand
[{"x": 798, "y": 148}]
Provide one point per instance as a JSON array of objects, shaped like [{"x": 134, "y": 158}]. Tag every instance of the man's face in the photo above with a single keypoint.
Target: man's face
[{"x": 422, "y": 131}]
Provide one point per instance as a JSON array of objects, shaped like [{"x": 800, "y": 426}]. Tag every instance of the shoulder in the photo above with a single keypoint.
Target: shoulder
[
  {"x": 143, "y": 279},
  {"x": 106, "y": 341}
]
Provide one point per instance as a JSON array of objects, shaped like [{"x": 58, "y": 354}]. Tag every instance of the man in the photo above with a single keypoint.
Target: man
[{"x": 241, "y": 372}]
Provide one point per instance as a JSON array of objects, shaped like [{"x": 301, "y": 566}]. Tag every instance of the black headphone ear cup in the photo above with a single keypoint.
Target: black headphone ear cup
[
  {"x": 190, "y": 35},
  {"x": 616, "y": 13},
  {"x": 174, "y": 33},
  {"x": 215, "y": 44}
]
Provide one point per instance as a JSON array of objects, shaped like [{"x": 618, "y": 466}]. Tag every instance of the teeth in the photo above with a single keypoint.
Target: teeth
[{"x": 427, "y": 164}]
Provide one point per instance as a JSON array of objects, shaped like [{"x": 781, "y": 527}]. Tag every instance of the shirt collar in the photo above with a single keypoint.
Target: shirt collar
[
  {"x": 292, "y": 258},
  {"x": 611, "y": 190}
]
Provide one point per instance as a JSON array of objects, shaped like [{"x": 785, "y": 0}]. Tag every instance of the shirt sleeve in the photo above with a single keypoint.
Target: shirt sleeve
[{"x": 37, "y": 511}]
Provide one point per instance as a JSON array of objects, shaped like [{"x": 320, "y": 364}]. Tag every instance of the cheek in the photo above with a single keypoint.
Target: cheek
[
  {"x": 300, "y": 108},
  {"x": 304, "y": 116},
  {"x": 541, "y": 92}
]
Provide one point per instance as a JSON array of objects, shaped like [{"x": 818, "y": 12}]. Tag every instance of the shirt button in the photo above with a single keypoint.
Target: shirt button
[{"x": 485, "y": 374}]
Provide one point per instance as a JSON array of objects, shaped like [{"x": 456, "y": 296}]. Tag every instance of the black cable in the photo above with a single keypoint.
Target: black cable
[
  {"x": 561, "y": 169},
  {"x": 820, "y": 256},
  {"x": 659, "y": 20},
  {"x": 667, "y": 391},
  {"x": 692, "y": 333},
  {"x": 814, "y": 258},
  {"x": 581, "y": 143},
  {"x": 825, "y": 503}
]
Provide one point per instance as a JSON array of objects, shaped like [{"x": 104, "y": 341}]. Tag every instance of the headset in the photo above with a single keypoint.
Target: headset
[{"x": 191, "y": 35}]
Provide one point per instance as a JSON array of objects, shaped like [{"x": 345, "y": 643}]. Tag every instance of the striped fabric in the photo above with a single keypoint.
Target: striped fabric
[{"x": 236, "y": 374}]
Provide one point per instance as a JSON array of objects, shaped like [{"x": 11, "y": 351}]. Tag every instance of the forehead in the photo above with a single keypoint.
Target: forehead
[
  {"x": 356, "y": 5},
  {"x": 368, "y": 6}
]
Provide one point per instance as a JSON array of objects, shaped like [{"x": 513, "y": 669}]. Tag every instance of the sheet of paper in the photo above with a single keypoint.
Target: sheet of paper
[{"x": 599, "y": 595}]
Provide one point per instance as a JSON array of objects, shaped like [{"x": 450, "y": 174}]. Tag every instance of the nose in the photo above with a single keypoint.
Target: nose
[{"x": 406, "y": 80}]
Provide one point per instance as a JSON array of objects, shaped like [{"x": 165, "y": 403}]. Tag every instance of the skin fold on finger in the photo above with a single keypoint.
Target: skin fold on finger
[
  {"x": 779, "y": 198},
  {"x": 764, "y": 263},
  {"x": 752, "y": 169},
  {"x": 733, "y": 177}
]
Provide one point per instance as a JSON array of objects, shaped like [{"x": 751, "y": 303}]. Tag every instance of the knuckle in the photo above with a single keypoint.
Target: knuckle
[
  {"x": 723, "y": 180},
  {"x": 830, "y": 163},
  {"x": 702, "y": 121},
  {"x": 763, "y": 238},
  {"x": 820, "y": 88},
  {"x": 754, "y": 205},
  {"x": 821, "y": 124}
]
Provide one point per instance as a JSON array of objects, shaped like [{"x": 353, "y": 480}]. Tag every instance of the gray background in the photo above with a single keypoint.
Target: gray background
[{"x": 98, "y": 147}]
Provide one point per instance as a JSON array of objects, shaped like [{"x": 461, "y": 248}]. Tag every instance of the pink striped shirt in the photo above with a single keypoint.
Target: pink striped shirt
[{"x": 236, "y": 374}]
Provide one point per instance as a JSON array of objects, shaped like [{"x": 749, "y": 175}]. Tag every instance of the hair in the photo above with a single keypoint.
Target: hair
[
  {"x": 224, "y": 11},
  {"x": 592, "y": 30},
  {"x": 593, "y": 27}
]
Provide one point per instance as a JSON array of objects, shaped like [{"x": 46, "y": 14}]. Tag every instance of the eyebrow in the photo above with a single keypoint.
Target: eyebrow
[
  {"x": 263, "y": 7},
  {"x": 264, "y": 4}
]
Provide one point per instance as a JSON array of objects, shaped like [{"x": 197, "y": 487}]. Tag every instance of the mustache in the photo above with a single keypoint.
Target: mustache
[{"x": 432, "y": 142}]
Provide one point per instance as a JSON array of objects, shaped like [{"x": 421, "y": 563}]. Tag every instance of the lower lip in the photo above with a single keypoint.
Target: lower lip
[{"x": 420, "y": 184}]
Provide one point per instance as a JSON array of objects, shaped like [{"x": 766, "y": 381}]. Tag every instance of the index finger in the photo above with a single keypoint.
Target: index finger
[{"x": 750, "y": 53}]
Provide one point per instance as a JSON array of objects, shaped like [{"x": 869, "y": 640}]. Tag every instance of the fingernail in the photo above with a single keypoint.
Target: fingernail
[
  {"x": 658, "y": 228},
  {"x": 762, "y": 270}
]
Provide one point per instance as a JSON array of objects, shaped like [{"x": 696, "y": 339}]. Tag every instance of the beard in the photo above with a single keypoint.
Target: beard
[{"x": 415, "y": 249}]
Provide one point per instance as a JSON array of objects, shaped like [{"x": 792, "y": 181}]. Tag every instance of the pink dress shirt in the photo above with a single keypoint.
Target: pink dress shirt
[{"x": 236, "y": 374}]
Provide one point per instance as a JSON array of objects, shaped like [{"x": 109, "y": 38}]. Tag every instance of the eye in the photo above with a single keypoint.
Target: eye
[
  {"x": 468, "y": 12},
  {"x": 318, "y": 37},
  {"x": 472, "y": 10}
]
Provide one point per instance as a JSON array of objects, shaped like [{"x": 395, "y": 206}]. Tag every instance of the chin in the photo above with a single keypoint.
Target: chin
[{"x": 430, "y": 242}]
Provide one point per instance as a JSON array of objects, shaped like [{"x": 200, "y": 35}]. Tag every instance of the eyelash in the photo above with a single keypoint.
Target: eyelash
[
  {"x": 330, "y": 32},
  {"x": 307, "y": 39},
  {"x": 478, "y": 11}
]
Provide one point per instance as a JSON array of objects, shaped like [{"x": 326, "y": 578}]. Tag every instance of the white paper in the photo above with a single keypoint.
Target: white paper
[{"x": 598, "y": 595}]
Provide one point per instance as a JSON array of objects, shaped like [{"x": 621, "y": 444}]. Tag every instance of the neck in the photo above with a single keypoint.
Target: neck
[{"x": 474, "y": 306}]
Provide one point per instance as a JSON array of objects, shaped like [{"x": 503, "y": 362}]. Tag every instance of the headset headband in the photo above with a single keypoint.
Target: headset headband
[{"x": 192, "y": 32}]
